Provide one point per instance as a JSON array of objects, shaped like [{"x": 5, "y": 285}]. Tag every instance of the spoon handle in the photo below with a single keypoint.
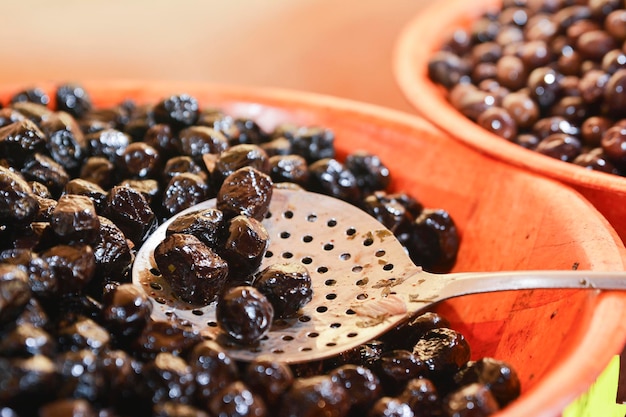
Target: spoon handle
[{"x": 483, "y": 282}]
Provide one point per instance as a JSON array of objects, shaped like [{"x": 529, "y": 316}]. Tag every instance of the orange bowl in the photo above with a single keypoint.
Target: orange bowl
[
  {"x": 419, "y": 40},
  {"x": 558, "y": 340}
]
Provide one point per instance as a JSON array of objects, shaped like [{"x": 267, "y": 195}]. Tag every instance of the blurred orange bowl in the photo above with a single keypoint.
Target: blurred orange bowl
[
  {"x": 558, "y": 340},
  {"x": 419, "y": 40}
]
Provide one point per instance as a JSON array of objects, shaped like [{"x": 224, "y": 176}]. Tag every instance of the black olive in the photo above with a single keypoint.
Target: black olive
[
  {"x": 194, "y": 271},
  {"x": 246, "y": 191},
  {"x": 169, "y": 378},
  {"x": 212, "y": 367},
  {"x": 244, "y": 314},
  {"x": 287, "y": 286},
  {"x": 269, "y": 379},
  {"x": 317, "y": 395},
  {"x": 474, "y": 400},
  {"x": 126, "y": 310},
  {"x": 443, "y": 351},
  {"x": 236, "y": 399},
  {"x": 499, "y": 377},
  {"x": 73, "y": 99},
  {"x": 177, "y": 110}
]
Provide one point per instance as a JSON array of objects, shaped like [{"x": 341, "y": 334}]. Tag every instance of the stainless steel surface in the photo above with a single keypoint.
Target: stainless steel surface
[{"x": 363, "y": 281}]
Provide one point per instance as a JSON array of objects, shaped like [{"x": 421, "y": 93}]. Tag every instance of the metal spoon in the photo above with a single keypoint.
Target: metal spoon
[{"x": 364, "y": 283}]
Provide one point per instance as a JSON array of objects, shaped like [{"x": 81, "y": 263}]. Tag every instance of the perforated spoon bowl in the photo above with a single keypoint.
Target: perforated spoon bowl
[{"x": 364, "y": 283}]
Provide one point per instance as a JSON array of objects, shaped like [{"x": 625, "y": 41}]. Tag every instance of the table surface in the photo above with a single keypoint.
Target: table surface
[{"x": 342, "y": 48}]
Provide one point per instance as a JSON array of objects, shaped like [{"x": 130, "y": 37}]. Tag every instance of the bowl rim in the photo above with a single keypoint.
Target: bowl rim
[
  {"x": 584, "y": 358},
  {"x": 560, "y": 388},
  {"x": 417, "y": 41}
]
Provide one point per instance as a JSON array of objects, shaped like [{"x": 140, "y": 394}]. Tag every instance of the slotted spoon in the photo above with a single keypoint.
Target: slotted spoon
[{"x": 364, "y": 283}]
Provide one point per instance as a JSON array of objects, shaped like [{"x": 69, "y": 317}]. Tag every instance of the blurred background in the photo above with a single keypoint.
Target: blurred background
[{"x": 343, "y": 48}]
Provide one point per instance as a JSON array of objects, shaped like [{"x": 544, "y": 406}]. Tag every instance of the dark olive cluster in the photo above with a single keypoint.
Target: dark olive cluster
[
  {"x": 547, "y": 75},
  {"x": 207, "y": 256},
  {"x": 81, "y": 188}
]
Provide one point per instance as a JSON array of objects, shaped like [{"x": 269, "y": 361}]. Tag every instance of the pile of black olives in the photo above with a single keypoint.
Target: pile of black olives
[
  {"x": 547, "y": 75},
  {"x": 81, "y": 188}
]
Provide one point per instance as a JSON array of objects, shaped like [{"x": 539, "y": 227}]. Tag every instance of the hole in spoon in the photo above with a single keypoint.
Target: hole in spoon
[
  {"x": 280, "y": 323},
  {"x": 362, "y": 282}
]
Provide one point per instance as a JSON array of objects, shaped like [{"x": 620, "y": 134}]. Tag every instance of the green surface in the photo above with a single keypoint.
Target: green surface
[{"x": 599, "y": 401}]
